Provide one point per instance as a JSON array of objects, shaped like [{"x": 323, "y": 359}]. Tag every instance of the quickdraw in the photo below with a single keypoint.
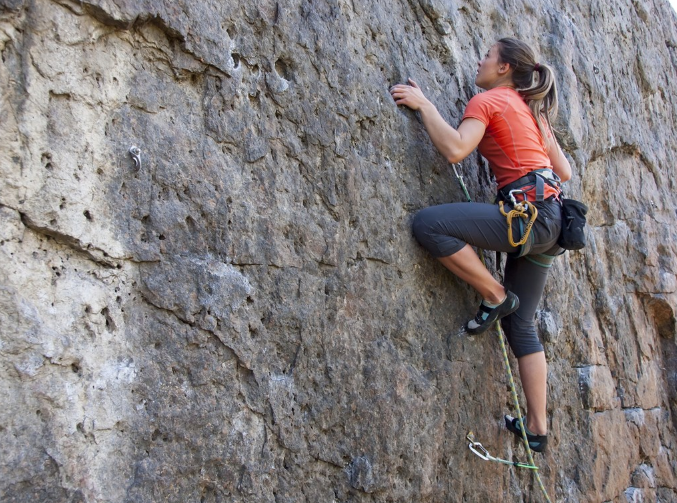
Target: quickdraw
[
  {"x": 522, "y": 210},
  {"x": 481, "y": 451}
]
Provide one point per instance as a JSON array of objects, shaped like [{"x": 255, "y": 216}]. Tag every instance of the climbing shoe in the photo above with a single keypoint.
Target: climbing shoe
[
  {"x": 537, "y": 443},
  {"x": 487, "y": 315}
]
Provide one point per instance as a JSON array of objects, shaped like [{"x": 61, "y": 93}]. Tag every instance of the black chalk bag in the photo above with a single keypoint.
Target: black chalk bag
[{"x": 572, "y": 236}]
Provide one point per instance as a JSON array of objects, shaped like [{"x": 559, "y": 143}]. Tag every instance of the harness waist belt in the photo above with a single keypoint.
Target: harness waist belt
[{"x": 537, "y": 178}]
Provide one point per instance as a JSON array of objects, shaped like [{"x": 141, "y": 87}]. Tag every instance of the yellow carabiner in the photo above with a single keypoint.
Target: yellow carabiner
[{"x": 521, "y": 210}]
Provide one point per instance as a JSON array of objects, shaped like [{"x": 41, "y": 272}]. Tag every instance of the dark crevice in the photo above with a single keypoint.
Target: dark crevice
[{"x": 75, "y": 244}]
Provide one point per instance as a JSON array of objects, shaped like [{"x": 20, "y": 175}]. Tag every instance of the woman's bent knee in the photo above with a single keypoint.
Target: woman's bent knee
[
  {"x": 431, "y": 229},
  {"x": 420, "y": 226}
]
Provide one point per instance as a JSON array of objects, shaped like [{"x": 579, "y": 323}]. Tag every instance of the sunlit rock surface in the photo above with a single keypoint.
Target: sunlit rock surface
[{"x": 243, "y": 315}]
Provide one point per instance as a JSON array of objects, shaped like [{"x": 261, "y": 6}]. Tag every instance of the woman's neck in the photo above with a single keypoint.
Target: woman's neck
[
  {"x": 505, "y": 81},
  {"x": 504, "y": 84}
]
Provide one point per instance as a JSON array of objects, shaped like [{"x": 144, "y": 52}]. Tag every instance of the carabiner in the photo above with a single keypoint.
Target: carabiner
[
  {"x": 477, "y": 448},
  {"x": 456, "y": 172},
  {"x": 512, "y": 196}
]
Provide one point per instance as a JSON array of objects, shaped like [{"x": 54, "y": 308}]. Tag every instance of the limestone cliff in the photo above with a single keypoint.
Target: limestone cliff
[{"x": 242, "y": 314}]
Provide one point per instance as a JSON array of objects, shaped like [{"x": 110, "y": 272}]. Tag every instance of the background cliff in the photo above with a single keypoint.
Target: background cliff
[{"x": 244, "y": 314}]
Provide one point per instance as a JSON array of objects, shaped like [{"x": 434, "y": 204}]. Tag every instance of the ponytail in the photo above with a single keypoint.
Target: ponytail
[{"x": 540, "y": 93}]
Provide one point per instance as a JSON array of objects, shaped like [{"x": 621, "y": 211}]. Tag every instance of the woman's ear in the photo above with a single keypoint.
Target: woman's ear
[{"x": 503, "y": 68}]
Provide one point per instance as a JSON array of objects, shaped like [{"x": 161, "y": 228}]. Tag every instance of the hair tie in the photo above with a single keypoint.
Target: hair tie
[{"x": 537, "y": 66}]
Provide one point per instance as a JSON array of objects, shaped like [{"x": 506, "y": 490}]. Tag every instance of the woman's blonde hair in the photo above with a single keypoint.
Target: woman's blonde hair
[{"x": 541, "y": 93}]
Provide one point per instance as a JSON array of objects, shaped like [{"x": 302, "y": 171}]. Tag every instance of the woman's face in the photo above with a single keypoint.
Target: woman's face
[{"x": 488, "y": 69}]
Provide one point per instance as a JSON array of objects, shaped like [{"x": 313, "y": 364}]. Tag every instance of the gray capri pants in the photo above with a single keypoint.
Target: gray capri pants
[{"x": 443, "y": 230}]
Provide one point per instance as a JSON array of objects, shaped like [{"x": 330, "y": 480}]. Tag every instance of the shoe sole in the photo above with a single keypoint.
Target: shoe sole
[{"x": 495, "y": 315}]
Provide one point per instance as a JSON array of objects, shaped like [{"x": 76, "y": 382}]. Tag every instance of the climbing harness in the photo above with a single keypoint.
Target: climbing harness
[
  {"x": 524, "y": 209},
  {"x": 572, "y": 235},
  {"x": 476, "y": 447},
  {"x": 535, "y": 180}
]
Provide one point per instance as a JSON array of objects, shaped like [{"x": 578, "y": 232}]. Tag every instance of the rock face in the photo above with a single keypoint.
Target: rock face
[{"x": 243, "y": 314}]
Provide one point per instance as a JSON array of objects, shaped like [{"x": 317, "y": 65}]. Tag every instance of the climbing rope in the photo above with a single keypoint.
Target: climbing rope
[{"x": 474, "y": 446}]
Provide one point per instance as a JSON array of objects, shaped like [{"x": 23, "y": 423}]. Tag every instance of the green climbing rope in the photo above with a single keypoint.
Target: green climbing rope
[{"x": 476, "y": 447}]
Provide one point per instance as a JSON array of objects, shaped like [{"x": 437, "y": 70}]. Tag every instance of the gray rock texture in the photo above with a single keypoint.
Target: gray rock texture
[{"x": 243, "y": 314}]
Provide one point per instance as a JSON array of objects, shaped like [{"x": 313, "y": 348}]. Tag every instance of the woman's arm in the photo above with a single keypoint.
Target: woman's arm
[
  {"x": 560, "y": 164},
  {"x": 454, "y": 144}
]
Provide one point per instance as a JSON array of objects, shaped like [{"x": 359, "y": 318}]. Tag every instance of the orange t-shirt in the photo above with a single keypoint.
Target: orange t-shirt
[{"x": 512, "y": 142}]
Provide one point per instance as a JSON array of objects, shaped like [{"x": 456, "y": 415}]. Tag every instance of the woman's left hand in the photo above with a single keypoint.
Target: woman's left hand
[{"x": 409, "y": 95}]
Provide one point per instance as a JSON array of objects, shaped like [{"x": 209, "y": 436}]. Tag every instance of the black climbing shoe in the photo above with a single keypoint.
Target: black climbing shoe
[
  {"x": 537, "y": 443},
  {"x": 487, "y": 315}
]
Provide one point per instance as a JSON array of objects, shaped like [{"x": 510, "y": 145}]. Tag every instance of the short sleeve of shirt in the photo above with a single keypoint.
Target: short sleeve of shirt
[{"x": 480, "y": 108}]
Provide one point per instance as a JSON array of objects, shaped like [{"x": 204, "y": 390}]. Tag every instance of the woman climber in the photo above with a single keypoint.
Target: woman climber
[{"x": 511, "y": 124}]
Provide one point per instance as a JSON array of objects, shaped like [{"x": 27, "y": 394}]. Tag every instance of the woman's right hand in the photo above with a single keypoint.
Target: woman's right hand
[
  {"x": 409, "y": 95},
  {"x": 453, "y": 144}
]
